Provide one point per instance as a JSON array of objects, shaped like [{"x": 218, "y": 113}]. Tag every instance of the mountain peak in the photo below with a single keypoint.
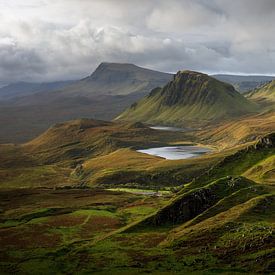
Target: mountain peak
[
  {"x": 187, "y": 74},
  {"x": 104, "y": 67},
  {"x": 115, "y": 65},
  {"x": 190, "y": 87},
  {"x": 117, "y": 73},
  {"x": 191, "y": 97}
]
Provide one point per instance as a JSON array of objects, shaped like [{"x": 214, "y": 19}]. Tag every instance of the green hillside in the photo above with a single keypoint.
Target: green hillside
[
  {"x": 191, "y": 98},
  {"x": 70, "y": 204},
  {"x": 264, "y": 95}
]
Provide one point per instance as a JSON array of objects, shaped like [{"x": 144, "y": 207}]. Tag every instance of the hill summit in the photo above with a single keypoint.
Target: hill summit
[
  {"x": 119, "y": 79},
  {"x": 191, "y": 97}
]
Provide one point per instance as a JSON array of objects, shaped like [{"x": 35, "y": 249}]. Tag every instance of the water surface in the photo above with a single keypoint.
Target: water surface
[
  {"x": 167, "y": 128},
  {"x": 176, "y": 152}
]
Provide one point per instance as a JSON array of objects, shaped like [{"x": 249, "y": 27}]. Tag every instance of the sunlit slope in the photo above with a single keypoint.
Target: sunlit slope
[
  {"x": 55, "y": 158},
  {"x": 222, "y": 180},
  {"x": 239, "y": 131},
  {"x": 241, "y": 163},
  {"x": 264, "y": 95},
  {"x": 190, "y": 98}
]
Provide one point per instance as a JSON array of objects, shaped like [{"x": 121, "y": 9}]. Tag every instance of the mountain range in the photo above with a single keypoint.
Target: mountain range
[
  {"x": 244, "y": 83},
  {"x": 110, "y": 89},
  {"x": 28, "y": 109},
  {"x": 20, "y": 89}
]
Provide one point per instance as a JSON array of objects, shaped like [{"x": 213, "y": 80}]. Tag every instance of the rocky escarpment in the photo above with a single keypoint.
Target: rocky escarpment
[
  {"x": 190, "y": 204},
  {"x": 266, "y": 142}
]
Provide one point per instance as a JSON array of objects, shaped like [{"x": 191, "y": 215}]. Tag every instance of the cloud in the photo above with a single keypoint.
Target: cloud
[{"x": 45, "y": 40}]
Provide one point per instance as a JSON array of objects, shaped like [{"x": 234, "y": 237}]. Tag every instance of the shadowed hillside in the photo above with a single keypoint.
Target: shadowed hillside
[
  {"x": 20, "y": 89},
  {"x": 103, "y": 95}
]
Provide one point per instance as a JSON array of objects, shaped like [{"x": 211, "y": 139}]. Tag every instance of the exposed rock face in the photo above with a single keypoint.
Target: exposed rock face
[
  {"x": 190, "y": 88},
  {"x": 185, "y": 209},
  {"x": 266, "y": 142},
  {"x": 189, "y": 205}
]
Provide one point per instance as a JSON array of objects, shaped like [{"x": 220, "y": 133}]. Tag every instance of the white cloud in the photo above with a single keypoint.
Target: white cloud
[{"x": 57, "y": 39}]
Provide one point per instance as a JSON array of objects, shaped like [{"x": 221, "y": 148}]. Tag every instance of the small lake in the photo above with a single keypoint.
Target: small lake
[
  {"x": 167, "y": 128},
  {"x": 176, "y": 152}
]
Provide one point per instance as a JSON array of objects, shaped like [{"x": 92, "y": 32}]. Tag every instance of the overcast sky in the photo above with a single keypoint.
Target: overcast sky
[{"x": 44, "y": 40}]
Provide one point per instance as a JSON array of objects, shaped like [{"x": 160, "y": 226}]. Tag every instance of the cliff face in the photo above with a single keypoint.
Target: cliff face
[
  {"x": 266, "y": 142},
  {"x": 190, "y": 204}
]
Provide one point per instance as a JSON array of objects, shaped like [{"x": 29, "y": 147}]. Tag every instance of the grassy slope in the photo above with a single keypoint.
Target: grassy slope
[
  {"x": 126, "y": 166},
  {"x": 56, "y": 157},
  {"x": 263, "y": 171},
  {"x": 226, "y": 224},
  {"x": 264, "y": 95},
  {"x": 97, "y": 152},
  {"x": 239, "y": 163},
  {"x": 196, "y": 98},
  {"x": 239, "y": 130}
]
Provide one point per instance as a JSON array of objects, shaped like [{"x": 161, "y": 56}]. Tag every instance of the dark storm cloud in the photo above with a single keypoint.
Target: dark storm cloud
[{"x": 57, "y": 39}]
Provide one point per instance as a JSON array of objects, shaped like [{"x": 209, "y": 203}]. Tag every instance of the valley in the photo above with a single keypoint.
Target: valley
[
  {"x": 149, "y": 192},
  {"x": 137, "y": 137}
]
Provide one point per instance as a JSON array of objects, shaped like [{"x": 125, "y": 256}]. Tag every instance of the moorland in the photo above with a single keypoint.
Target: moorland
[{"x": 79, "y": 198}]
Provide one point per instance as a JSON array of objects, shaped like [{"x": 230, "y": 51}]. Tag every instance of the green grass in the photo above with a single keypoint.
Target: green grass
[
  {"x": 93, "y": 212},
  {"x": 36, "y": 176},
  {"x": 141, "y": 191},
  {"x": 220, "y": 222},
  {"x": 190, "y": 99},
  {"x": 239, "y": 163}
]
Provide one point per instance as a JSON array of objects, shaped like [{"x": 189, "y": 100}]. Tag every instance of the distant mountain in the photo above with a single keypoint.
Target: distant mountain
[
  {"x": 118, "y": 79},
  {"x": 3, "y": 84},
  {"x": 110, "y": 89},
  {"x": 20, "y": 89},
  {"x": 244, "y": 83},
  {"x": 191, "y": 98},
  {"x": 264, "y": 95},
  {"x": 109, "y": 79}
]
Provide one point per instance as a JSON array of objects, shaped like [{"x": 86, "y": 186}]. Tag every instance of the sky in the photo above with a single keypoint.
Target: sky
[{"x": 48, "y": 40}]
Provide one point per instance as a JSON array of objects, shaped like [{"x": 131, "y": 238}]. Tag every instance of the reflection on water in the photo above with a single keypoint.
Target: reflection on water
[
  {"x": 176, "y": 152},
  {"x": 167, "y": 128}
]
